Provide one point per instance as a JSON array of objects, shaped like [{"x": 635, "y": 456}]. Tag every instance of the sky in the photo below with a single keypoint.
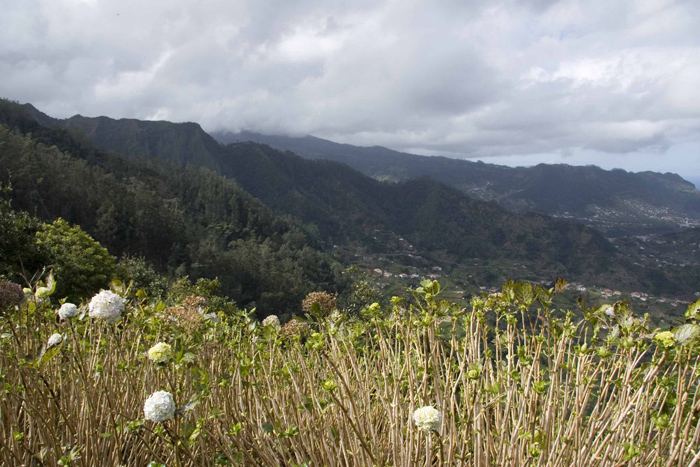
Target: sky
[{"x": 512, "y": 82}]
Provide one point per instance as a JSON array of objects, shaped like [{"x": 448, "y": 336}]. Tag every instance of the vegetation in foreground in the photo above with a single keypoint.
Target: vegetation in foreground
[{"x": 124, "y": 380}]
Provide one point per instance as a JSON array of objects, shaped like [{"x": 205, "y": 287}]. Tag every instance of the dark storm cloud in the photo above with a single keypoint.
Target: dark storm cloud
[{"x": 469, "y": 79}]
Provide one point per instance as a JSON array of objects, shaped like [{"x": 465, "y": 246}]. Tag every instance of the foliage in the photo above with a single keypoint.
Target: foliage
[
  {"x": 511, "y": 381},
  {"x": 20, "y": 257},
  {"x": 141, "y": 275},
  {"x": 81, "y": 265}
]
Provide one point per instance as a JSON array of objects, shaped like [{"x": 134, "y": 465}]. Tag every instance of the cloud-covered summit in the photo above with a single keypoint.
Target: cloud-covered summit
[{"x": 568, "y": 80}]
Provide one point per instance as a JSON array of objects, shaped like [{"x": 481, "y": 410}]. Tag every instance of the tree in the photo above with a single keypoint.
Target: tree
[{"x": 20, "y": 257}]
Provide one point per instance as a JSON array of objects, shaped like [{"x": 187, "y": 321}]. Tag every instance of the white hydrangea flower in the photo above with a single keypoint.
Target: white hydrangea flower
[
  {"x": 159, "y": 407},
  {"x": 427, "y": 418},
  {"x": 160, "y": 353},
  {"x": 272, "y": 321},
  {"x": 54, "y": 340},
  {"x": 106, "y": 305},
  {"x": 68, "y": 310}
]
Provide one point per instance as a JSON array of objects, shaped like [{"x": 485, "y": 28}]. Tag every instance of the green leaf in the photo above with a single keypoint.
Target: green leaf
[
  {"x": 51, "y": 283},
  {"x": 268, "y": 428},
  {"x": 315, "y": 308},
  {"x": 693, "y": 311},
  {"x": 523, "y": 293},
  {"x": 686, "y": 333},
  {"x": 48, "y": 356}
]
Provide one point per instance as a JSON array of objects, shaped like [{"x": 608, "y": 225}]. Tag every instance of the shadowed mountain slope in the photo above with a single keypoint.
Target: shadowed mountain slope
[
  {"x": 184, "y": 220},
  {"x": 615, "y": 201}
]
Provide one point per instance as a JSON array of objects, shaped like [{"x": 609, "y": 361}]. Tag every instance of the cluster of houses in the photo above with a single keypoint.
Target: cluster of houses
[
  {"x": 605, "y": 293},
  {"x": 610, "y": 293},
  {"x": 381, "y": 273},
  {"x": 641, "y": 296}
]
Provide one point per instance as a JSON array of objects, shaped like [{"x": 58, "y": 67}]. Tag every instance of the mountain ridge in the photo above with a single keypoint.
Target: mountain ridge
[{"x": 595, "y": 196}]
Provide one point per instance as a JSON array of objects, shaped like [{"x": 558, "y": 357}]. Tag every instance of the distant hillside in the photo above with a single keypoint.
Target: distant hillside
[{"x": 616, "y": 201}]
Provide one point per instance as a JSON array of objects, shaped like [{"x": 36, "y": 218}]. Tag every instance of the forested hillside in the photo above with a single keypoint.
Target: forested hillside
[{"x": 184, "y": 220}]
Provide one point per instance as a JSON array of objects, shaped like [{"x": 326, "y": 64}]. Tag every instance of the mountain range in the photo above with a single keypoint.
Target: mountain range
[
  {"x": 347, "y": 214},
  {"x": 615, "y": 201}
]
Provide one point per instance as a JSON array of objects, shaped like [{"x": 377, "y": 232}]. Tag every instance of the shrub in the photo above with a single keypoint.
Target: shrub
[
  {"x": 10, "y": 295},
  {"x": 80, "y": 264}
]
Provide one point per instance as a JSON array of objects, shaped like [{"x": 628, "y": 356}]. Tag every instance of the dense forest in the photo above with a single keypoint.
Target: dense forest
[{"x": 183, "y": 220}]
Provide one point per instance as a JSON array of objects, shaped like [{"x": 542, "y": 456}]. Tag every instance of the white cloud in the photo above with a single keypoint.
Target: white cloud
[{"x": 469, "y": 79}]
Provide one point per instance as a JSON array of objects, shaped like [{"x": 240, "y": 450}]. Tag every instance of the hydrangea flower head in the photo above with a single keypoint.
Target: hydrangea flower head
[
  {"x": 54, "y": 340},
  {"x": 273, "y": 322},
  {"x": 106, "y": 305},
  {"x": 11, "y": 294},
  {"x": 427, "y": 418},
  {"x": 159, "y": 407},
  {"x": 160, "y": 353},
  {"x": 665, "y": 339},
  {"x": 68, "y": 310},
  {"x": 295, "y": 328}
]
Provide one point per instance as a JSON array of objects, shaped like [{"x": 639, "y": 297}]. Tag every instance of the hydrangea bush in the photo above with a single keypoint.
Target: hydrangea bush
[{"x": 509, "y": 382}]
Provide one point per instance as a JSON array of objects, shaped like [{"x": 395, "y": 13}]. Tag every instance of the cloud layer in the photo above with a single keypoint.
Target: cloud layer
[{"x": 568, "y": 80}]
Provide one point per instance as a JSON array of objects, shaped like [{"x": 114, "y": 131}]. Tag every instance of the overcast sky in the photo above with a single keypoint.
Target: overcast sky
[{"x": 611, "y": 83}]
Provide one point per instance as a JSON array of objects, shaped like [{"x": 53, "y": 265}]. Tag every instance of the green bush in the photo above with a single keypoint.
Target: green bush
[{"x": 80, "y": 264}]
